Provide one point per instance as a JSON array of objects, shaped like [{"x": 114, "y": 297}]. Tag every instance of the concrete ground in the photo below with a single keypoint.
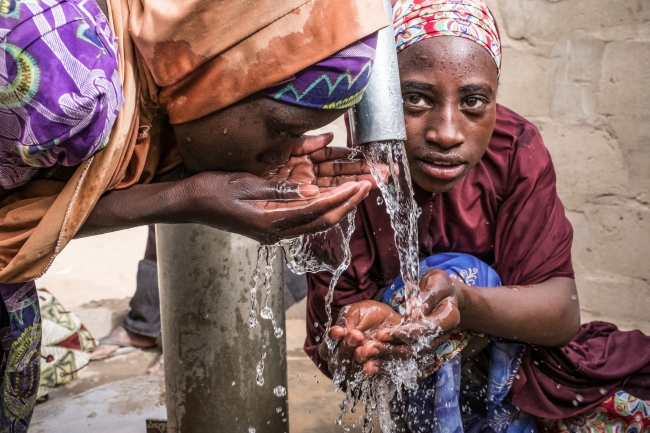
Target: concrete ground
[{"x": 94, "y": 277}]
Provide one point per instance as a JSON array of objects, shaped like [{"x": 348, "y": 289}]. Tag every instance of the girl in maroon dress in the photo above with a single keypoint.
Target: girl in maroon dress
[{"x": 486, "y": 185}]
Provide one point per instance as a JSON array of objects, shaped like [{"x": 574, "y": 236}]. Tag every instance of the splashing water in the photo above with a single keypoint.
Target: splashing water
[
  {"x": 260, "y": 370},
  {"x": 389, "y": 167},
  {"x": 328, "y": 250},
  {"x": 280, "y": 391},
  {"x": 266, "y": 254}
]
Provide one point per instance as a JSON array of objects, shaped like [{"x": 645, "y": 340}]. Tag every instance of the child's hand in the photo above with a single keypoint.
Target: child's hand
[
  {"x": 441, "y": 296},
  {"x": 369, "y": 332},
  {"x": 355, "y": 324}
]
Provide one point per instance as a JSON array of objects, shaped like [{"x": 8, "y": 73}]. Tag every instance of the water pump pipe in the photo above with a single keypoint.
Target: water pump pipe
[
  {"x": 210, "y": 350},
  {"x": 379, "y": 116}
]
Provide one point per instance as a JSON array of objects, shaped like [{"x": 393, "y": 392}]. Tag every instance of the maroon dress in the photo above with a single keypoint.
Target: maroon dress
[{"x": 506, "y": 212}]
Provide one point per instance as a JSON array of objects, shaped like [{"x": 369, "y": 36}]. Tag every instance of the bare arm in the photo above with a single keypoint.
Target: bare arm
[
  {"x": 236, "y": 202},
  {"x": 135, "y": 206},
  {"x": 547, "y": 314}
]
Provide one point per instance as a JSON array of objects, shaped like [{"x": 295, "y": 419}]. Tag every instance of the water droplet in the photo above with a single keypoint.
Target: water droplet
[
  {"x": 380, "y": 200},
  {"x": 278, "y": 332},
  {"x": 316, "y": 324},
  {"x": 278, "y": 409},
  {"x": 250, "y": 429},
  {"x": 252, "y": 319},
  {"x": 260, "y": 370},
  {"x": 280, "y": 391},
  {"x": 575, "y": 403},
  {"x": 266, "y": 313},
  {"x": 574, "y": 297},
  {"x": 317, "y": 339},
  {"x": 580, "y": 398},
  {"x": 233, "y": 384},
  {"x": 602, "y": 391},
  {"x": 558, "y": 386}
]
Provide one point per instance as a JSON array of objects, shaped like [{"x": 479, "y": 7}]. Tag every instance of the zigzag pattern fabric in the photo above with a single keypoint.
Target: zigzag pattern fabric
[{"x": 337, "y": 81}]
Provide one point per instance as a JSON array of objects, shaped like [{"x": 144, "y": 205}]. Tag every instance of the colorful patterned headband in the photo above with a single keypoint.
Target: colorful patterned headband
[
  {"x": 415, "y": 20},
  {"x": 337, "y": 81}
]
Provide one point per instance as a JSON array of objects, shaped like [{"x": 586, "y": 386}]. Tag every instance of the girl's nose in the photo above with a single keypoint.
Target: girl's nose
[{"x": 444, "y": 128}]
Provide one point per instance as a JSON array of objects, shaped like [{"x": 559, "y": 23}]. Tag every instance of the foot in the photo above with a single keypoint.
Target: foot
[
  {"x": 158, "y": 367},
  {"x": 118, "y": 338}
]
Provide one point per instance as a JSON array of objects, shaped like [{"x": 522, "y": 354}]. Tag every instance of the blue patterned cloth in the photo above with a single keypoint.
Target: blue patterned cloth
[{"x": 447, "y": 402}]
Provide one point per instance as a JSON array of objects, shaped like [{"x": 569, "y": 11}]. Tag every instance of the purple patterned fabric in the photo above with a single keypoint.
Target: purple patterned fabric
[
  {"x": 59, "y": 88},
  {"x": 337, "y": 81}
]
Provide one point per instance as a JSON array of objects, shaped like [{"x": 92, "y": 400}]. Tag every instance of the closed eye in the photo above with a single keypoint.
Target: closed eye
[{"x": 289, "y": 134}]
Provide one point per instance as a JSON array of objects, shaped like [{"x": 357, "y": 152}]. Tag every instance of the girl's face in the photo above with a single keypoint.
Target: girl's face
[
  {"x": 449, "y": 86},
  {"x": 255, "y": 135}
]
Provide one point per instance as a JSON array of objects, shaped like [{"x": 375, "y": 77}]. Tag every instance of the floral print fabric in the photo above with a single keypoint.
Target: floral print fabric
[
  {"x": 20, "y": 336},
  {"x": 59, "y": 87},
  {"x": 415, "y": 20},
  {"x": 620, "y": 413}
]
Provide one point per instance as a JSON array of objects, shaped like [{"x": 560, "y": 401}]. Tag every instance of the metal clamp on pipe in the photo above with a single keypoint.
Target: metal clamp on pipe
[{"x": 379, "y": 116}]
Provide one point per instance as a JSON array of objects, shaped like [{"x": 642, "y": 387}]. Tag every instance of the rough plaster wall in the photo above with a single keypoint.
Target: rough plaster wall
[{"x": 580, "y": 70}]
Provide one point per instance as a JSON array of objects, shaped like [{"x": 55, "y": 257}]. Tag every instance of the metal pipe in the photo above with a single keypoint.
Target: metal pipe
[
  {"x": 210, "y": 351},
  {"x": 379, "y": 116}
]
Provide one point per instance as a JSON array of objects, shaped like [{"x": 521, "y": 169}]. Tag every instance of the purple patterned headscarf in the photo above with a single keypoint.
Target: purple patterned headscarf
[
  {"x": 59, "y": 88},
  {"x": 337, "y": 81}
]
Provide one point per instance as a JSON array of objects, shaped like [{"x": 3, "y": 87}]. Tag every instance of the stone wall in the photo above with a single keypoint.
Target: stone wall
[{"x": 580, "y": 70}]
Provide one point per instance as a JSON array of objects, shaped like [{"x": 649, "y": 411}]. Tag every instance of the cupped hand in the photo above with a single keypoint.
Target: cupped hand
[
  {"x": 312, "y": 161},
  {"x": 267, "y": 210},
  {"x": 355, "y": 324},
  {"x": 441, "y": 296}
]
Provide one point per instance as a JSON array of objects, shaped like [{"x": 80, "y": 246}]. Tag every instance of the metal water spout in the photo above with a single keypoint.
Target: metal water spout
[{"x": 379, "y": 116}]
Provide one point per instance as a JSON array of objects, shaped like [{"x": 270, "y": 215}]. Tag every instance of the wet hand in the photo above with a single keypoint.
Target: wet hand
[
  {"x": 356, "y": 323},
  {"x": 266, "y": 210},
  {"x": 441, "y": 296},
  {"x": 313, "y": 161}
]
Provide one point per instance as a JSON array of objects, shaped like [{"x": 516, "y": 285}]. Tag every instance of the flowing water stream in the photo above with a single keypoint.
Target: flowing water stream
[
  {"x": 389, "y": 167},
  {"x": 330, "y": 251}
]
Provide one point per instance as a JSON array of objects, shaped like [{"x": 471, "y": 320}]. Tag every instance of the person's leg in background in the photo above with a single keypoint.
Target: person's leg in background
[
  {"x": 141, "y": 326},
  {"x": 144, "y": 317}
]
